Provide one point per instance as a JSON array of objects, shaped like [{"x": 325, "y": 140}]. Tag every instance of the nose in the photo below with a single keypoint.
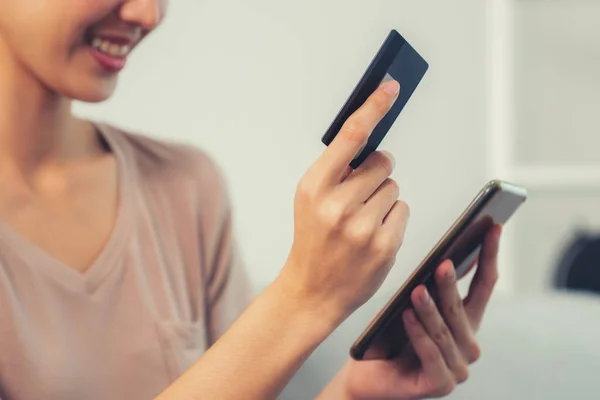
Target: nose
[{"x": 147, "y": 14}]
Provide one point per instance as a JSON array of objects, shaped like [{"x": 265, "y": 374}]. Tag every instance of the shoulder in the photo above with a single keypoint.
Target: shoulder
[{"x": 165, "y": 163}]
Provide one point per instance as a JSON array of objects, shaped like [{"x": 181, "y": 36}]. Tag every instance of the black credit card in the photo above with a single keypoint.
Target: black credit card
[{"x": 398, "y": 60}]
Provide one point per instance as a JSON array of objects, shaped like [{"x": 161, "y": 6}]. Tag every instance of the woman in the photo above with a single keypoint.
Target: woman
[{"x": 119, "y": 274}]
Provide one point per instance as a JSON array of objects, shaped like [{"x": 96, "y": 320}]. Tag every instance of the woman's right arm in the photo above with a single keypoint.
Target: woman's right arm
[{"x": 348, "y": 227}]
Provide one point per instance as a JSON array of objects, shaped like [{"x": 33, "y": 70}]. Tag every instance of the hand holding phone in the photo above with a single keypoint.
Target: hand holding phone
[
  {"x": 386, "y": 336},
  {"x": 443, "y": 343}
]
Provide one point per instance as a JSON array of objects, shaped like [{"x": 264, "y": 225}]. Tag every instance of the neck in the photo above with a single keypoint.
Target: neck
[{"x": 36, "y": 124}]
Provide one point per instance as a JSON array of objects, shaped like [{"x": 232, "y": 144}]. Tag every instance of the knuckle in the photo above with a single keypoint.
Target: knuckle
[
  {"x": 454, "y": 309},
  {"x": 431, "y": 355},
  {"x": 386, "y": 249},
  {"x": 402, "y": 209},
  {"x": 383, "y": 162},
  {"x": 360, "y": 234},
  {"x": 333, "y": 213},
  {"x": 441, "y": 334},
  {"x": 393, "y": 187},
  {"x": 355, "y": 129},
  {"x": 306, "y": 189},
  {"x": 380, "y": 103}
]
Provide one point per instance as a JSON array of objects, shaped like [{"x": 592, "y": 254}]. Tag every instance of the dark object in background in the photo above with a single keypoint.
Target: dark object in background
[{"x": 579, "y": 267}]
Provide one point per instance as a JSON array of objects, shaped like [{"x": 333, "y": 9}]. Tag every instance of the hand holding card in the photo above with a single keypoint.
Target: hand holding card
[{"x": 397, "y": 60}]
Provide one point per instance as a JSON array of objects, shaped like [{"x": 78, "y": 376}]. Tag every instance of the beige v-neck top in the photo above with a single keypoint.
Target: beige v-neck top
[{"x": 166, "y": 285}]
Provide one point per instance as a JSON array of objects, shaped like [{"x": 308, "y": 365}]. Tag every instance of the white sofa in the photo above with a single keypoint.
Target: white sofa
[{"x": 545, "y": 347}]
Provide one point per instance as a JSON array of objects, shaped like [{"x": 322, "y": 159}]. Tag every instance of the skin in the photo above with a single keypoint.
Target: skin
[{"x": 59, "y": 182}]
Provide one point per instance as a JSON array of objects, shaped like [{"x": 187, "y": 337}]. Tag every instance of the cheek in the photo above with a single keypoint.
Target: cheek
[
  {"x": 52, "y": 29},
  {"x": 46, "y": 37},
  {"x": 37, "y": 27},
  {"x": 25, "y": 31}
]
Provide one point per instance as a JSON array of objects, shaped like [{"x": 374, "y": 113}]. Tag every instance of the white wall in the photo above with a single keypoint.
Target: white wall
[
  {"x": 552, "y": 144},
  {"x": 256, "y": 83}
]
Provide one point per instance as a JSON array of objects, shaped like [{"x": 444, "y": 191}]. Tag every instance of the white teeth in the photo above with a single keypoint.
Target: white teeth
[
  {"x": 108, "y": 48},
  {"x": 114, "y": 50}
]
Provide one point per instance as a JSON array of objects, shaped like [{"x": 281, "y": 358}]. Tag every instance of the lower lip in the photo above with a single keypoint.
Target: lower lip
[{"x": 111, "y": 64}]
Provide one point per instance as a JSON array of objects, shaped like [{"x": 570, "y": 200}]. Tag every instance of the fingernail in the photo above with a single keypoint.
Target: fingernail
[
  {"x": 410, "y": 316},
  {"x": 391, "y": 87}
]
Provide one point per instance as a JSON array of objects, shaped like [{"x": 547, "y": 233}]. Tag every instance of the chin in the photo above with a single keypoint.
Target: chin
[
  {"x": 93, "y": 97},
  {"x": 95, "y": 91}
]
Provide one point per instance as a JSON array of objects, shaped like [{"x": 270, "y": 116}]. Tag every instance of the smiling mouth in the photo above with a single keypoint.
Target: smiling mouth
[{"x": 109, "y": 46}]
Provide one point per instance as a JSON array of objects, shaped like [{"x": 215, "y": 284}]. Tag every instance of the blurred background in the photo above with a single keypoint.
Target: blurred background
[{"x": 513, "y": 92}]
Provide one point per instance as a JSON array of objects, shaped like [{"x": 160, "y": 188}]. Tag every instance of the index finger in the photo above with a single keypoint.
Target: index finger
[
  {"x": 355, "y": 132},
  {"x": 485, "y": 278}
]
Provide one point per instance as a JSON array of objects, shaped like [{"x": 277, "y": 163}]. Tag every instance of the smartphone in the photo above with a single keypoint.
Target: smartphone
[
  {"x": 397, "y": 60},
  {"x": 496, "y": 203}
]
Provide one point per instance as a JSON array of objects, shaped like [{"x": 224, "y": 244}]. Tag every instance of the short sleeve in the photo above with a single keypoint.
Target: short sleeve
[{"x": 229, "y": 289}]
